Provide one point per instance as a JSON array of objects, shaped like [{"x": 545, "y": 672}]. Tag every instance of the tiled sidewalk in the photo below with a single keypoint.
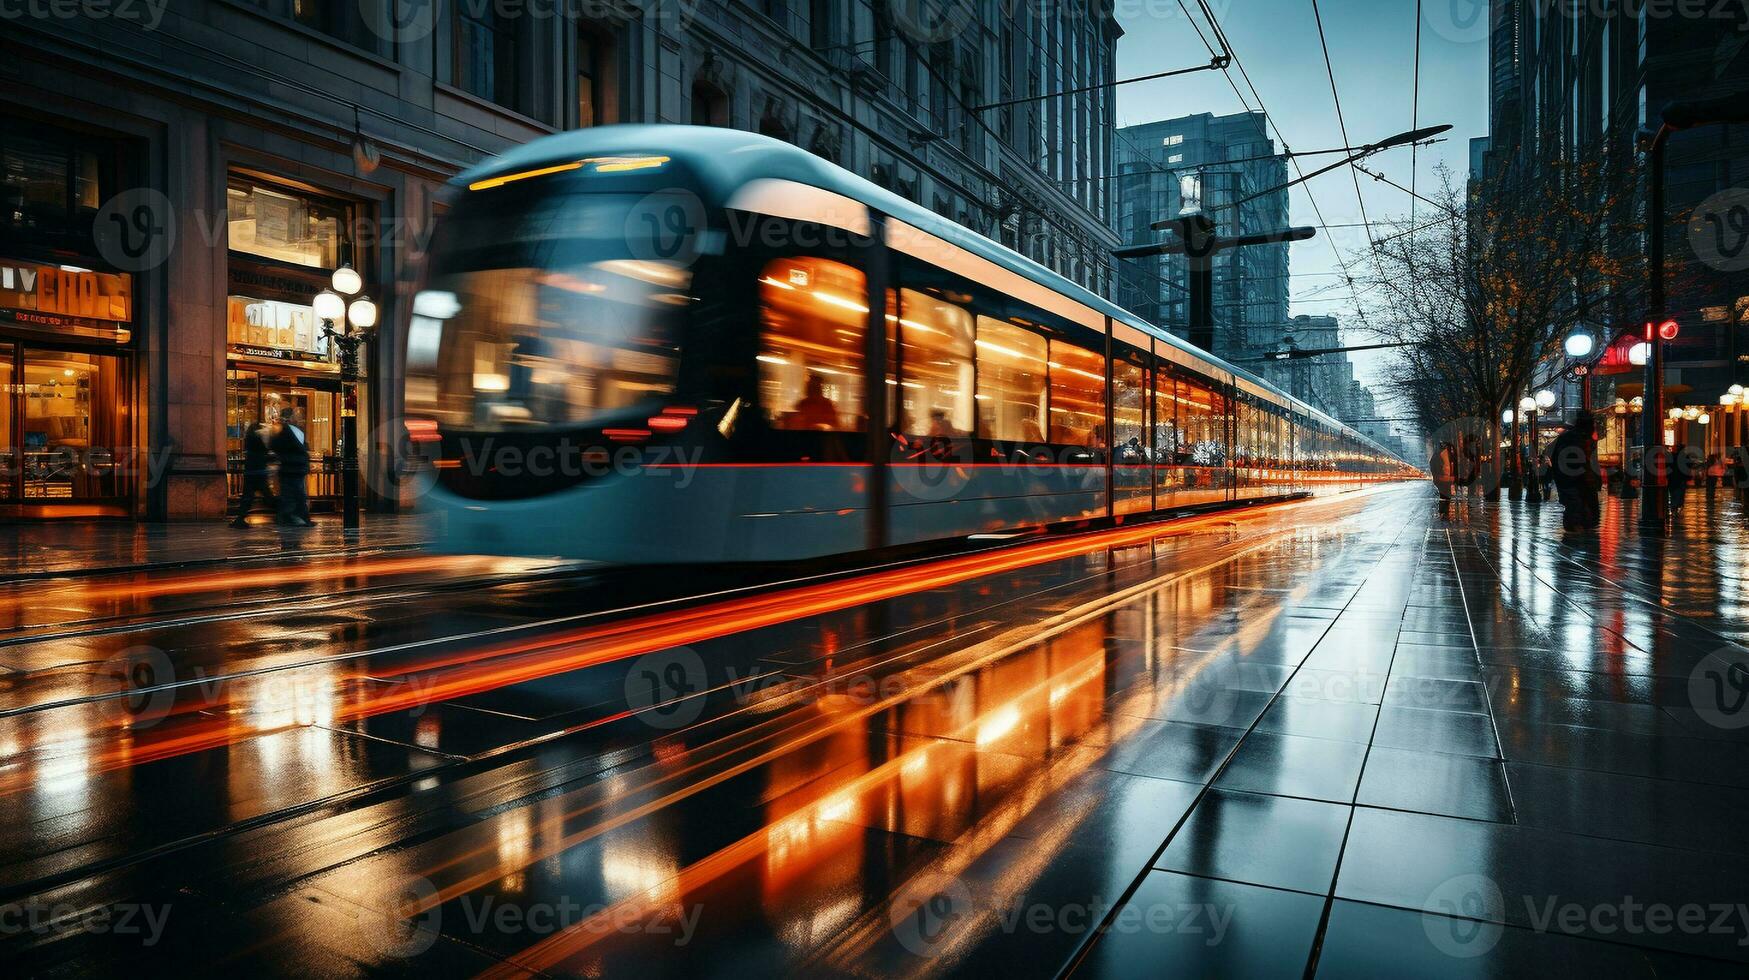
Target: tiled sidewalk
[
  {"x": 1509, "y": 754},
  {"x": 77, "y": 547}
]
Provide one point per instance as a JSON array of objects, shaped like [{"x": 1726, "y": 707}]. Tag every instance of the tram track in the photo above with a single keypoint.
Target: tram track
[
  {"x": 533, "y": 631},
  {"x": 125, "y": 623},
  {"x": 875, "y": 656}
]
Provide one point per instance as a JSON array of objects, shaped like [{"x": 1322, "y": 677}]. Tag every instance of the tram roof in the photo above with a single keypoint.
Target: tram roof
[{"x": 723, "y": 160}]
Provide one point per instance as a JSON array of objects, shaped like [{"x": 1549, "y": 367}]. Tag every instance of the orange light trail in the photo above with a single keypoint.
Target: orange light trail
[
  {"x": 495, "y": 667},
  {"x": 230, "y": 580}
]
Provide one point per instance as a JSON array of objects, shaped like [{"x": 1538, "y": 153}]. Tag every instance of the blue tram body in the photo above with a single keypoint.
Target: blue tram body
[{"x": 644, "y": 344}]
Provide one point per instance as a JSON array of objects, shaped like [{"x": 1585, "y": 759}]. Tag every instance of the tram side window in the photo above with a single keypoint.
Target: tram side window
[
  {"x": 937, "y": 342},
  {"x": 1167, "y": 443},
  {"x": 1243, "y": 415},
  {"x": 811, "y": 349},
  {"x": 1077, "y": 396},
  {"x": 1129, "y": 413},
  {"x": 1012, "y": 382},
  {"x": 1201, "y": 416}
]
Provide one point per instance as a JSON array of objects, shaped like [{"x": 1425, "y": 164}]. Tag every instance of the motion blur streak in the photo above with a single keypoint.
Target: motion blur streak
[
  {"x": 717, "y": 762},
  {"x": 495, "y": 667},
  {"x": 229, "y": 580}
]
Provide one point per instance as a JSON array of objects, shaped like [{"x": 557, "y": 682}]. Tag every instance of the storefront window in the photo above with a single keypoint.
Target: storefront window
[
  {"x": 284, "y": 246},
  {"x": 290, "y": 327},
  {"x": 72, "y": 427},
  {"x": 284, "y": 226},
  {"x": 8, "y": 450}
]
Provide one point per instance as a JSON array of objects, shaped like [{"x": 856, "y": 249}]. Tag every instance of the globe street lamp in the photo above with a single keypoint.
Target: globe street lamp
[
  {"x": 1531, "y": 407},
  {"x": 1579, "y": 345},
  {"x": 359, "y": 320}
]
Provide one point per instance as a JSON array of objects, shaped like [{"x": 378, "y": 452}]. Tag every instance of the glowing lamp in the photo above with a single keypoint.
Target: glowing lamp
[
  {"x": 1675, "y": 414},
  {"x": 346, "y": 280},
  {"x": 1526, "y": 404},
  {"x": 1545, "y": 399},
  {"x": 362, "y": 313},
  {"x": 1638, "y": 354},
  {"x": 1705, "y": 419},
  {"x": 1736, "y": 390},
  {"x": 1579, "y": 344},
  {"x": 329, "y": 306},
  {"x": 1506, "y": 416}
]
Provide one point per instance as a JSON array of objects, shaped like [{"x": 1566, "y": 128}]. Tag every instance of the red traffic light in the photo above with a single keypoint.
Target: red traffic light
[{"x": 1666, "y": 330}]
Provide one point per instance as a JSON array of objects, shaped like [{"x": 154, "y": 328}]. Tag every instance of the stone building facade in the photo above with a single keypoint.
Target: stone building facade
[{"x": 180, "y": 177}]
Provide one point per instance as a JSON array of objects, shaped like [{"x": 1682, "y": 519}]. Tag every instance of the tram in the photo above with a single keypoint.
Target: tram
[{"x": 681, "y": 344}]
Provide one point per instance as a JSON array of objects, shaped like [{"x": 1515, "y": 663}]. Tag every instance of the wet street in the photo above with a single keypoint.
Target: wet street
[{"x": 1339, "y": 737}]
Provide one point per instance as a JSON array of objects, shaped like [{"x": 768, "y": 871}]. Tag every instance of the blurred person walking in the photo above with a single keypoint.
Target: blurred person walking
[
  {"x": 256, "y": 456},
  {"x": 294, "y": 471},
  {"x": 1445, "y": 475},
  {"x": 1573, "y": 458}
]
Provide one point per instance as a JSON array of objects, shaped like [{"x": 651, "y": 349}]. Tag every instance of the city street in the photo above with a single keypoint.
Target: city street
[
  {"x": 1338, "y": 736},
  {"x": 874, "y": 489}
]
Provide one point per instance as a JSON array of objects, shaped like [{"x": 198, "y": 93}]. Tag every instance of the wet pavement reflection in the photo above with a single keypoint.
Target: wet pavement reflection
[{"x": 1337, "y": 736}]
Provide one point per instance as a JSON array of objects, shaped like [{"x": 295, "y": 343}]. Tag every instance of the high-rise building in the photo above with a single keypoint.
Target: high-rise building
[
  {"x": 1224, "y": 167},
  {"x": 1575, "y": 84},
  {"x": 1326, "y": 380},
  {"x": 177, "y": 183}
]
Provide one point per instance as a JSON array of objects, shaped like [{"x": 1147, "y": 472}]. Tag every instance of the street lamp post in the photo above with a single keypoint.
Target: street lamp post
[
  {"x": 359, "y": 317},
  {"x": 1514, "y": 476},
  {"x": 1528, "y": 409},
  {"x": 1579, "y": 345}
]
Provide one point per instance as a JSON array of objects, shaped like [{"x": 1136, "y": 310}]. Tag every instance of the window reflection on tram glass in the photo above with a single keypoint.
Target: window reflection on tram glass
[
  {"x": 1012, "y": 381},
  {"x": 540, "y": 312},
  {"x": 811, "y": 347},
  {"x": 936, "y": 349},
  {"x": 1077, "y": 396}
]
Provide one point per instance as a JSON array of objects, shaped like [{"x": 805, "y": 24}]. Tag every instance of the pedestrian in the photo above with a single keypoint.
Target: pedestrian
[
  {"x": 1445, "y": 475},
  {"x": 1469, "y": 462},
  {"x": 1676, "y": 469},
  {"x": 255, "y": 473},
  {"x": 1715, "y": 472},
  {"x": 293, "y": 451},
  {"x": 1573, "y": 460}
]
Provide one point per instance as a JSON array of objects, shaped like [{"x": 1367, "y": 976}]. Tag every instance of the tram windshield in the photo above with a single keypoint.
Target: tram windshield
[{"x": 543, "y": 310}]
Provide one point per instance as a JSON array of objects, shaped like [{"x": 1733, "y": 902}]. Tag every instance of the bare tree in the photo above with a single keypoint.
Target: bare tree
[{"x": 1486, "y": 290}]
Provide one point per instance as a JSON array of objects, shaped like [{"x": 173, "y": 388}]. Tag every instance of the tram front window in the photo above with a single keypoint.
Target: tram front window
[{"x": 543, "y": 310}]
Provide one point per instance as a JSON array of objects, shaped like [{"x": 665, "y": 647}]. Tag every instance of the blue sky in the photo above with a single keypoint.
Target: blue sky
[{"x": 1372, "y": 44}]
